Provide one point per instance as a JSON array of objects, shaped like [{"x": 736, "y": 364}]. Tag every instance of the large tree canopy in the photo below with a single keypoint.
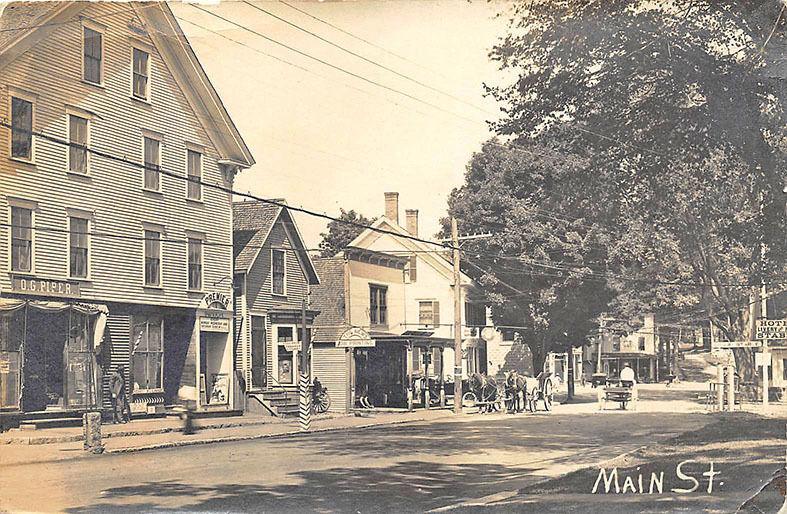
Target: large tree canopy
[
  {"x": 341, "y": 233},
  {"x": 642, "y": 150}
]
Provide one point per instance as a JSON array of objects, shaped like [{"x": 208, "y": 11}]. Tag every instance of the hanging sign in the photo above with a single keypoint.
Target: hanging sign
[
  {"x": 771, "y": 329},
  {"x": 355, "y": 338},
  {"x": 44, "y": 287},
  {"x": 762, "y": 359},
  {"x": 737, "y": 344},
  {"x": 216, "y": 300},
  {"x": 211, "y": 322}
]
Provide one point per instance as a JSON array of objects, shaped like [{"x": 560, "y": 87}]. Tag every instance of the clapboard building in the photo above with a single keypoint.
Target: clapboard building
[{"x": 114, "y": 248}]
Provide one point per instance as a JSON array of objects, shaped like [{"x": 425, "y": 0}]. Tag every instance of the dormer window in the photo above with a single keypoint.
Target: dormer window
[{"x": 140, "y": 85}]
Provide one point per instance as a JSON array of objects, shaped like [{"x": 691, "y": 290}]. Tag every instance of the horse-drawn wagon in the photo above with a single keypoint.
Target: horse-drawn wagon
[{"x": 517, "y": 393}]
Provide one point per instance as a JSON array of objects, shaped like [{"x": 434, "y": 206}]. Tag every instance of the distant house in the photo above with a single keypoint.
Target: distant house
[
  {"x": 115, "y": 249},
  {"x": 273, "y": 273},
  {"x": 428, "y": 279},
  {"x": 363, "y": 351},
  {"x": 639, "y": 349}
]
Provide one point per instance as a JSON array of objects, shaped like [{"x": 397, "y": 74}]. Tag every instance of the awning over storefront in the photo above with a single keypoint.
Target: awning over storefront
[{"x": 98, "y": 311}]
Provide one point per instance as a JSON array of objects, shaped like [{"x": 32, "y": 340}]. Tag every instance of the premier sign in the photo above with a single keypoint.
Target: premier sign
[{"x": 775, "y": 329}]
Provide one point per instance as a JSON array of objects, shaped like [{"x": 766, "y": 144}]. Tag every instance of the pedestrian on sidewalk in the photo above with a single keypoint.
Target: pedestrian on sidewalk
[{"x": 117, "y": 388}]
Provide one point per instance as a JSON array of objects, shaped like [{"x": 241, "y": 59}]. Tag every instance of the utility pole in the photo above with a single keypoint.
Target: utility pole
[
  {"x": 457, "y": 320},
  {"x": 765, "y": 354}
]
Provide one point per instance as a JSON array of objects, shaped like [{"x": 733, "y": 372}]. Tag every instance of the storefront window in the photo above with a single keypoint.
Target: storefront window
[
  {"x": 286, "y": 362},
  {"x": 79, "y": 367},
  {"x": 147, "y": 353}
]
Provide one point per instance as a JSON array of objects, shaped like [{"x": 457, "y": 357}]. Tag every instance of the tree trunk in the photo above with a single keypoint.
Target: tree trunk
[{"x": 539, "y": 356}]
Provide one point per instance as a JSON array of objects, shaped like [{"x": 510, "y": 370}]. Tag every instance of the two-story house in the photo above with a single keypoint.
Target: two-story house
[
  {"x": 363, "y": 351},
  {"x": 429, "y": 290},
  {"x": 611, "y": 351},
  {"x": 115, "y": 244},
  {"x": 273, "y": 273}
]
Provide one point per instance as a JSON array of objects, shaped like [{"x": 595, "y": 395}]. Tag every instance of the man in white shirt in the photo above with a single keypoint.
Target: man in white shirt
[{"x": 629, "y": 379}]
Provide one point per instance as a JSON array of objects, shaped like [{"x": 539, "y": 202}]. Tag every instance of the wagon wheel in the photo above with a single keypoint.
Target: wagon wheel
[
  {"x": 548, "y": 395},
  {"x": 469, "y": 399},
  {"x": 322, "y": 402}
]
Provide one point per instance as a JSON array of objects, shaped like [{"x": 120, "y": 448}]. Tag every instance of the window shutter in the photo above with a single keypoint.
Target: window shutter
[{"x": 436, "y": 314}]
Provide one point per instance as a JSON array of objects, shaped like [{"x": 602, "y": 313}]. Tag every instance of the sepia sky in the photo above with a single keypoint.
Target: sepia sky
[{"x": 324, "y": 139}]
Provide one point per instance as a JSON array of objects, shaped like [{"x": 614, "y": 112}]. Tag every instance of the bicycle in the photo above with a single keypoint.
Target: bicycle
[{"x": 321, "y": 401}]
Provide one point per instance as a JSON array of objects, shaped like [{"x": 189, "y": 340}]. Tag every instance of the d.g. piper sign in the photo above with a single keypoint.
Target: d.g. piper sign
[{"x": 771, "y": 329}]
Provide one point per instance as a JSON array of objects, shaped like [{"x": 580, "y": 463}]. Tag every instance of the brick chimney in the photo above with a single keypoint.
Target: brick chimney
[
  {"x": 411, "y": 221},
  {"x": 392, "y": 207}
]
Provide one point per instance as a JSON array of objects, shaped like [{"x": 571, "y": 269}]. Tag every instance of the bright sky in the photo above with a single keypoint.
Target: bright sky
[{"x": 323, "y": 139}]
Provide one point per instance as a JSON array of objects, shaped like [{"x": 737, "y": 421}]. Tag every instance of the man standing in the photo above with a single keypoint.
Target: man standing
[{"x": 117, "y": 388}]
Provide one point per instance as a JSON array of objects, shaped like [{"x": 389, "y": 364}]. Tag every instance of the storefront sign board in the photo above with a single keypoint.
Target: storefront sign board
[
  {"x": 355, "y": 338},
  {"x": 45, "y": 287},
  {"x": 214, "y": 324},
  {"x": 215, "y": 300},
  {"x": 737, "y": 344},
  {"x": 771, "y": 329}
]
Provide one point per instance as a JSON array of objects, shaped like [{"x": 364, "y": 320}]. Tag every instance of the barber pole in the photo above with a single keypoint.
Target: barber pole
[{"x": 305, "y": 403}]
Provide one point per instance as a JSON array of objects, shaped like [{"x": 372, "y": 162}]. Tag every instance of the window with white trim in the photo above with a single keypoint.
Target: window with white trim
[
  {"x": 194, "y": 175},
  {"x": 21, "y": 239},
  {"x": 378, "y": 305},
  {"x": 152, "y": 258},
  {"x": 152, "y": 149},
  {"x": 92, "y": 49},
  {"x": 78, "y": 140},
  {"x": 147, "y": 353},
  {"x": 78, "y": 247},
  {"x": 21, "y": 129},
  {"x": 140, "y": 81},
  {"x": 195, "y": 263},
  {"x": 429, "y": 313},
  {"x": 278, "y": 272}
]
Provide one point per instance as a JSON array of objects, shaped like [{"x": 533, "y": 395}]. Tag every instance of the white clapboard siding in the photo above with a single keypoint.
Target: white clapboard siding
[
  {"x": 113, "y": 190},
  {"x": 330, "y": 367}
]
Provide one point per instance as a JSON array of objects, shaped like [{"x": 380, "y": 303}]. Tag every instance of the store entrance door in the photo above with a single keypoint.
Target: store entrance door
[{"x": 43, "y": 368}]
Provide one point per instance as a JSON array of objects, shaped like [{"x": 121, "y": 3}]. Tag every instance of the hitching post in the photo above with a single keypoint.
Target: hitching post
[
  {"x": 304, "y": 383},
  {"x": 720, "y": 387},
  {"x": 730, "y": 388},
  {"x": 91, "y": 424}
]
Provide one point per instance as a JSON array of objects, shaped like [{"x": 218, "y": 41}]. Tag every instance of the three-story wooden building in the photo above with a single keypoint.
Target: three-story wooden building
[{"x": 115, "y": 249}]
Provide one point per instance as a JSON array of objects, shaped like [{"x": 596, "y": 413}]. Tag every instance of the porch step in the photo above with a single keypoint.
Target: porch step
[{"x": 279, "y": 403}]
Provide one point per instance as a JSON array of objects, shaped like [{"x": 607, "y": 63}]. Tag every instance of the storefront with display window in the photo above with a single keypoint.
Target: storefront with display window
[{"x": 50, "y": 353}]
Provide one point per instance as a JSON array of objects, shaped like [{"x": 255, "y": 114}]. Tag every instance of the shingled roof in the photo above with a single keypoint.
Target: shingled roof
[
  {"x": 328, "y": 298},
  {"x": 252, "y": 223}
]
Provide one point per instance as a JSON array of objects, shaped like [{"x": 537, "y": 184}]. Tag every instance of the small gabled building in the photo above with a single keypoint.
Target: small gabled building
[{"x": 272, "y": 276}]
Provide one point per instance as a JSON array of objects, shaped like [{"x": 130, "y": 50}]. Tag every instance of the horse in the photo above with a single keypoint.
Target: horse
[
  {"x": 485, "y": 390},
  {"x": 516, "y": 391}
]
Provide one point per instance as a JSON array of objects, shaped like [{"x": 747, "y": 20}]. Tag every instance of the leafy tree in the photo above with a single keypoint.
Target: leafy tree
[
  {"x": 660, "y": 131},
  {"x": 340, "y": 234}
]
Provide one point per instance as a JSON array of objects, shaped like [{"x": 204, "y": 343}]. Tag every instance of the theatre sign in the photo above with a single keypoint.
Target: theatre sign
[{"x": 45, "y": 287}]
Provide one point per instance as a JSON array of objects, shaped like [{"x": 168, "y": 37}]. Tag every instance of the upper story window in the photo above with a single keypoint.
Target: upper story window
[
  {"x": 194, "y": 172},
  {"x": 278, "y": 271},
  {"x": 21, "y": 129},
  {"x": 21, "y": 239},
  {"x": 429, "y": 313},
  {"x": 140, "y": 82},
  {"x": 378, "y": 305},
  {"x": 641, "y": 343},
  {"x": 475, "y": 314},
  {"x": 195, "y": 263},
  {"x": 411, "y": 269},
  {"x": 78, "y": 141},
  {"x": 616, "y": 343},
  {"x": 152, "y": 164},
  {"x": 152, "y": 258},
  {"x": 92, "y": 55},
  {"x": 78, "y": 247}
]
